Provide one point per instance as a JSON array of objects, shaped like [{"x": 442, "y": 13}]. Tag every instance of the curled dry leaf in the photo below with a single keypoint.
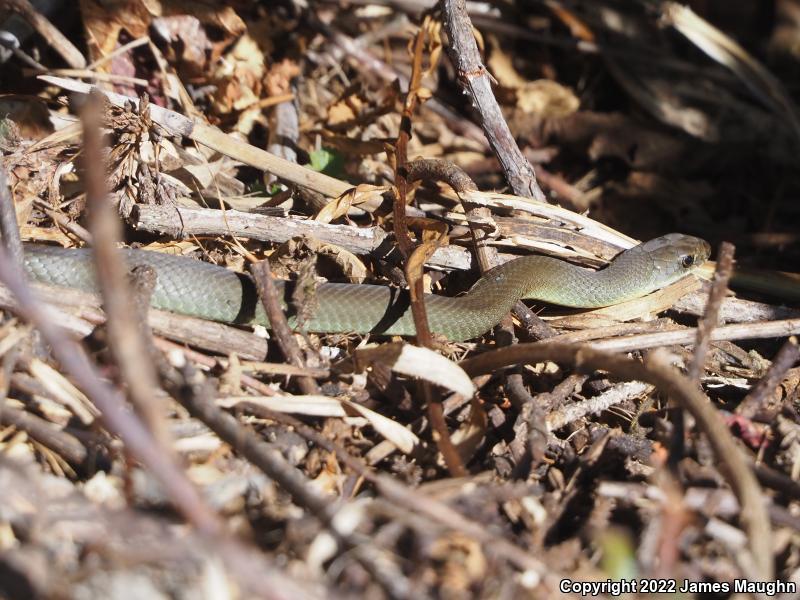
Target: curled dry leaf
[
  {"x": 104, "y": 24},
  {"x": 353, "y": 268},
  {"x": 547, "y": 99},
  {"x": 349, "y": 110},
  {"x": 431, "y": 229},
  {"x": 415, "y": 361},
  {"x": 356, "y": 196},
  {"x": 189, "y": 41},
  {"x": 415, "y": 267}
]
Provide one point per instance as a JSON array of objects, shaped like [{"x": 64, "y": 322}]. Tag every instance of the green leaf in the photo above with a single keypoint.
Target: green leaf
[
  {"x": 327, "y": 161},
  {"x": 619, "y": 555}
]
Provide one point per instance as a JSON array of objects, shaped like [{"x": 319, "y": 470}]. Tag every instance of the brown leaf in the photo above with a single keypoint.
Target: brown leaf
[
  {"x": 279, "y": 77},
  {"x": 239, "y": 77},
  {"x": 104, "y": 23},
  {"x": 360, "y": 194}
]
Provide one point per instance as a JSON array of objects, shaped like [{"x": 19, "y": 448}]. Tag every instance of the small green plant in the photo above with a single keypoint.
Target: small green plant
[{"x": 327, "y": 161}]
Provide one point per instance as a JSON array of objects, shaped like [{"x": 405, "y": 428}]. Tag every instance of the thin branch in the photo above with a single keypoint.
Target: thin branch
[
  {"x": 249, "y": 382},
  {"x": 755, "y": 403},
  {"x": 437, "y": 169},
  {"x": 63, "y": 221},
  {"x": 710, "y": 320},
  {"x": 194, "y": 394},
  {"x": 344, "y": 44},
  {"x": 399, "y": 221},
  {"x": 44, "y": 432},
  {"x": 614, "y": 395},
  {"x": 473, "y": 75},
  {"x": 49, "y": 32},
  {"x": 688, "y": 335},
  {"x": 408, "y": 499},
  {"x": 487, "y": 257},
  {"x": 705, "y": 328},
  {"x": 125, "y": 339},
  {"x": 268, "y": 292},
  {"x": 188, "y": 387}
]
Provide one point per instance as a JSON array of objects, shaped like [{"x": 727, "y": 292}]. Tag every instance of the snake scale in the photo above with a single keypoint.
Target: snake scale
[{"x": 191, "y": 287}]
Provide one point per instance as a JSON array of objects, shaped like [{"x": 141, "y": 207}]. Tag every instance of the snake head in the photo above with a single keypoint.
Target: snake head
[{"x": 675, "y": 255}]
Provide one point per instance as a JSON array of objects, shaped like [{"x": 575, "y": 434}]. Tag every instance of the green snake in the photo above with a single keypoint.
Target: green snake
[{"x": 191, "y": 287}]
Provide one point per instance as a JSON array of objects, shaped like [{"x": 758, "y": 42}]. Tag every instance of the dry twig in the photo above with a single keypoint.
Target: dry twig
[
  {"x": 473, "y": 75},
  {"x": 125, "y": 339},
  {"x": 268, "y": 293}
]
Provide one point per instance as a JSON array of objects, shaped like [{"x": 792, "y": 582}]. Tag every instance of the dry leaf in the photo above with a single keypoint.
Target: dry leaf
[
  {"x": 470, "y": 434},
  {"x": 432, "y": 229},
  {"x": 415, "y": 361},
  {"x": 360, "y": 194},
  {"x": 502, "y": 68},
  {"x": 239, "y": 77},
  {"x": 104, "y": 23},
  {"x": 345, "y": 110},
  {"x": 547, "y": 99},
  {"x": 279, "y": 78},
  {"x": 415, "y": 266}
]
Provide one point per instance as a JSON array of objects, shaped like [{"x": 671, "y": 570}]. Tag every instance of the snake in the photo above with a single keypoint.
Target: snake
[{"x": 188, "y": 286}]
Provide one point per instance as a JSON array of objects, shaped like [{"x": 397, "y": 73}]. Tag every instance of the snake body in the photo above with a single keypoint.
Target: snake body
[{"x": 199, "y": 289}]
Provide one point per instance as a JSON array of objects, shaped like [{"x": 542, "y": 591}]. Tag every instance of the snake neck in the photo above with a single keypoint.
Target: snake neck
[{"x": 554, "y": 281}]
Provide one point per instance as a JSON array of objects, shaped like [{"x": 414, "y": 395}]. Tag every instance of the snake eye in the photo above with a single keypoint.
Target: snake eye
[{"x": 687, "y": 261}]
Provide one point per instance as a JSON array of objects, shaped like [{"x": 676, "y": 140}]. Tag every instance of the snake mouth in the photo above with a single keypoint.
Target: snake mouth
[
  {"x": 705, "y": 253},
  {"x": 702, "y": 255}
]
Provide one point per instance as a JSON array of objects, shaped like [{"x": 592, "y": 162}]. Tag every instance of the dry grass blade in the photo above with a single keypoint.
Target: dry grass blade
[
  {"x": 723, "y": 49},
  {"x": 177, "y": 124},
  {"x": 323, "y": 406}
]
